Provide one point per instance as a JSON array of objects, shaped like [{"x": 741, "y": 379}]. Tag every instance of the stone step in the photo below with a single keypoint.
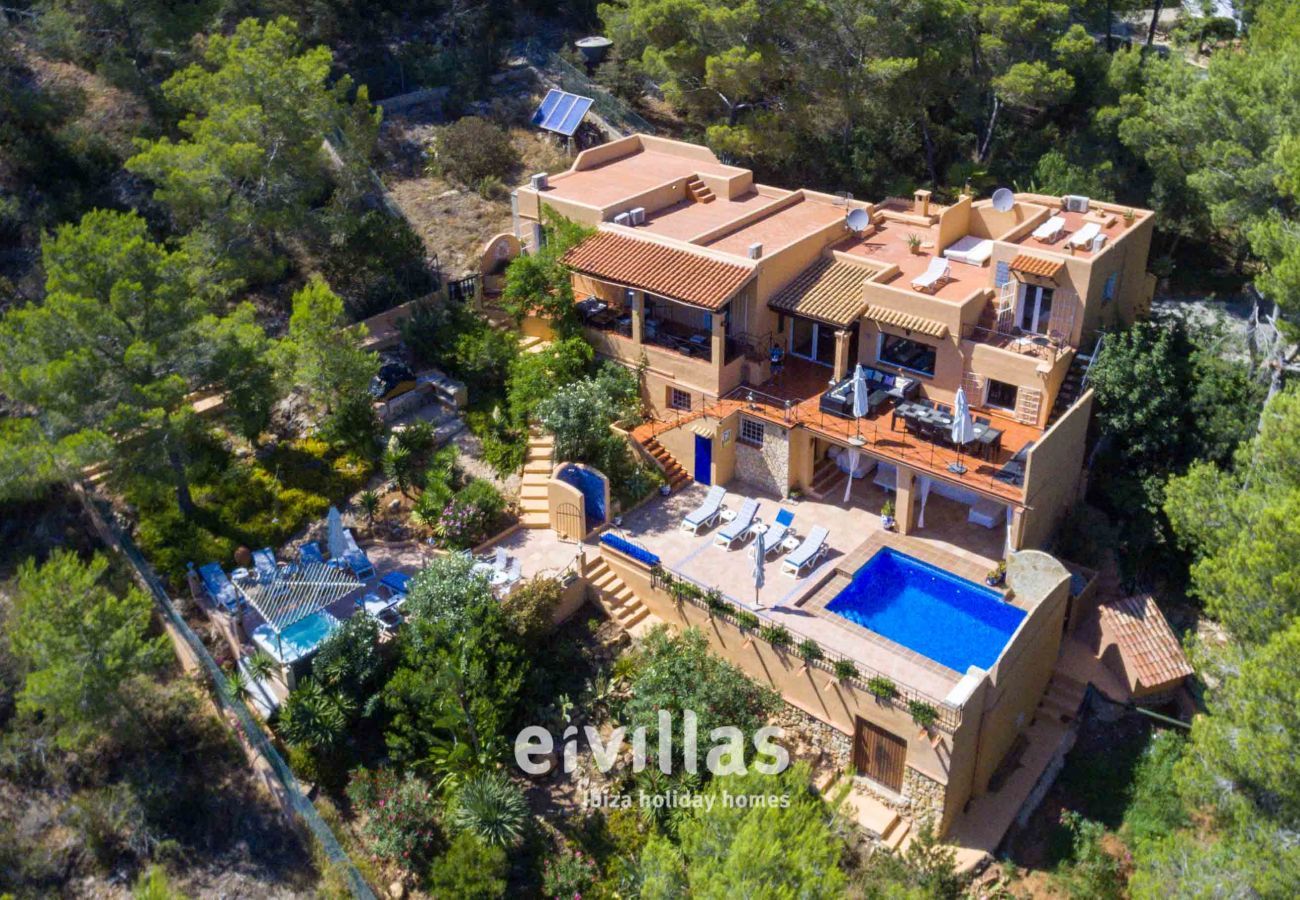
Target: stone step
[
  {"x": 535, "y": 520},
  {"x": 539, "y": 466},
  {"x": 605, "y": 582},
  {"x": 634, "y": 620},
  {"x": 541, "y": 439},
  {"x": 900, "y": 834}
]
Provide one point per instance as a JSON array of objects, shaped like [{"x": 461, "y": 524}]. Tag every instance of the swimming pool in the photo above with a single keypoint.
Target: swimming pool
[
  {"x": 297, "y": 640},
  {"x": 950, "y": 620}
]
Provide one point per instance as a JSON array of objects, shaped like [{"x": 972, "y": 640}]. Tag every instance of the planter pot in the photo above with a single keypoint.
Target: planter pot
[
  {"x": 994, "y": 580},
  {"x": 887, "y": 522}
]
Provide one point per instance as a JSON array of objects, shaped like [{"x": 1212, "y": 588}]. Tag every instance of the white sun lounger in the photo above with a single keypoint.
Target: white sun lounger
[
  {"x": 970, "y": 250},
  {"x": 1050, "y": 230},
  {"x": 776, "y": 535},
  {"x": 935, "y": 273},
  {"x": 706, "y": 514},
  {"x": 1085, "y": 235},
  {"x": 738, "y": 529},
  {"x": 807, "y": 553}
]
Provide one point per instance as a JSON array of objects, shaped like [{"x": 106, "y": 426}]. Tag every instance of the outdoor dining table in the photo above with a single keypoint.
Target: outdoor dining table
[
  {"x": 496, "y": 577},
  {"x": 985, "y": 435}
]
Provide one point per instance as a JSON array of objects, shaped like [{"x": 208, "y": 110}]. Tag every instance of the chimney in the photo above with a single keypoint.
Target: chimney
[
  {"x": 922, "y": 198},
  {"x": 755, "y": 251},
  {"x": 539, "y": 182}
]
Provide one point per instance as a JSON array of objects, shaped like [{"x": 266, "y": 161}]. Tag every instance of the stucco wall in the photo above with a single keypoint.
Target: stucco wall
[{"x": 1053, "y": 471}]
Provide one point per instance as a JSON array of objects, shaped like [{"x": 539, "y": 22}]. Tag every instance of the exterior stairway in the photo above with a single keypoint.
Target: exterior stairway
[
  {"x": 677, "y": 475},
  {"x": 1071, "y": 386},
  {"x": 540, "y": 460},
  {"x": 1062, "y": 699},
  {"x": 615, "y": 597},
  {"x": 699, "y": 191},
  {"x": 532, "y": 344},
  {"x": 876, "y": 819}
]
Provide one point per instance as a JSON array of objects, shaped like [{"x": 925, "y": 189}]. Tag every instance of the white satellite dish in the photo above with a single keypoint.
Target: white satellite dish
[
  {"x": 1003, "y": 200},
  {"x": 858, "y": 220}
]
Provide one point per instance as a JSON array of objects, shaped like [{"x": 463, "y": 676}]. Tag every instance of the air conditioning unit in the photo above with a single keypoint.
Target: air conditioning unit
[
  {"x": 623, "y": 219},
  {"x": 1075, "y": 203},
  {"x": 1098, "y": 242},
  {"x": 540, "y": 181},
  {"x": 638, "y": 215}
]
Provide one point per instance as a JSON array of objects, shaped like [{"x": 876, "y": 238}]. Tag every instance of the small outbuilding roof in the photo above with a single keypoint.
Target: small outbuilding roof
[
  {"x": 670, "y": 272},
  {"x": 907, "y": 321},
  {"x": 1037, "y": 266},
  {"x": 1153, "y": 658}
]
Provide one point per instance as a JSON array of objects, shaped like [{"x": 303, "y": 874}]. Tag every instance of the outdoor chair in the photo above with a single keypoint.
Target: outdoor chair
[
  {"x": 1084, "y": 236},
  {"x": 779, "y": 531},
  {"x": 706, "y": 514},
  {"x": 934, "y": 276},
  {"x": 1050, "y": 230},
  {"x": 738, "y": 529},
  {"x": 501, "y": 560},
  {"x": 514, "y": 572},
  {"x": 309, "y": 554},
  {"x": 807, "y": 554},
  {"x": 264, "y": 563}
]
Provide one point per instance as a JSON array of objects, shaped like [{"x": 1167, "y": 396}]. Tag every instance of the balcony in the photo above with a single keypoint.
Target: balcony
[{"x": 663, "y": 332}]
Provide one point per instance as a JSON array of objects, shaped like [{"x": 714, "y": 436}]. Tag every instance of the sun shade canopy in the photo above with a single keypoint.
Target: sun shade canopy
[
  {"x": 294, "y": 594},
  {"x": 907, "y": 321},
  {"x": 828, "y": 290},
  {"x": 561, "y": 112},
  {"x": 1037, "y": 266}
]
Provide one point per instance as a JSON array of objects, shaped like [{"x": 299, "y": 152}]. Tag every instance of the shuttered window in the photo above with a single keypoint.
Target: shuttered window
[{"x": 1003, "y": 274}]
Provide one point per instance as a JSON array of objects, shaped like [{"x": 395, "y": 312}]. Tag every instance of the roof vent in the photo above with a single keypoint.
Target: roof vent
[
  {"x": 540, "y": 182},
  {"x": 755, "y": 251},
  {"x": 1075, "y": 203},
  {"x": 638, "y": 215},
  {"x": 623, "y": 219}
]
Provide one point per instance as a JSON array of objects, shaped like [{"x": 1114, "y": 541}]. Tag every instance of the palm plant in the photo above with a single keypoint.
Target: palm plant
[
  {"x": 313, "y": 717},
  {"x": 492, "y": 807},
  {"x": 399, "y": 466},
  {"x": 260, "y": 666},
  {"x": 369, "y": 503},
  {"x": 238, "y": 684}
]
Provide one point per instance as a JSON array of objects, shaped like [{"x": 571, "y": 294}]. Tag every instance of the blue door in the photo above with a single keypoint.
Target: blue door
[{"x": 703, "y": 459}]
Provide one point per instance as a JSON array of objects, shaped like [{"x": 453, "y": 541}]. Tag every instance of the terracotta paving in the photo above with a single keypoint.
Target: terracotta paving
[
  {"x": 888, "y": 246},
  {"x": 638, "y": 171}
]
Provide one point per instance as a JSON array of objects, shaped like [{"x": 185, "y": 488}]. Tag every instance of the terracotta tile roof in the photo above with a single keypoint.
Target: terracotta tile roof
[
  {"x": 907, "y": 321},
  {"x": 828, "y": 290},
  {"x": 1037, "y": 265},
  {"x": 668, "y": 271},
  {"x": 1152, "y": 655}
]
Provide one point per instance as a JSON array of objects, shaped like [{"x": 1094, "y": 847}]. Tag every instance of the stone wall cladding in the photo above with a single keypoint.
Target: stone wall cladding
[
  {"x": 835, "y": 744},
  {"x": 766, "y": 467}
]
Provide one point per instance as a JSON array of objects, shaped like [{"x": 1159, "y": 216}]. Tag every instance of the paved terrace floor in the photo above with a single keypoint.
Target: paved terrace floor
[
  {"x": 887, "y": 246},
  {"x": 793, "y": 397},
  {"x": 657, "y": 526}
]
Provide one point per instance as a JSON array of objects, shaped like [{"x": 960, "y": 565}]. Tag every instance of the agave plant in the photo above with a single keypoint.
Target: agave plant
[
  {"x": 238, "y": 684},
  {"x": 260, "y": 666},
  {"x": 368, "y": 500},
  {"x": 314, "y": 717},
  {"x": 492, "y": 807}
]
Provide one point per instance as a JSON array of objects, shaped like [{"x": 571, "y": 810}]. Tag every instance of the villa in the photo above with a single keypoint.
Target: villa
[{"x": 806, "y": 353}]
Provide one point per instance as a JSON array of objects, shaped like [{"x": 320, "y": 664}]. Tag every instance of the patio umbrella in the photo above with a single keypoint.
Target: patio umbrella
[
  {"x": 337, "y": 542},
  {"x": 861, "y": 392},
  {"x": 853, "y": 467},
  {"x": 760, "y": 552},
  {"x": 963, "y": 429}
]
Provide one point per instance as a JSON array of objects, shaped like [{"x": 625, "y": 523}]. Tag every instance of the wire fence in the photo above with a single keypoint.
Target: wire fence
[{"x": 227, "y": 701}]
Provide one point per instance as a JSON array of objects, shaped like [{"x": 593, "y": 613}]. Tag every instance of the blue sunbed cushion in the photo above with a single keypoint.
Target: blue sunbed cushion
[
  {"x": 888, "y": 381},
  {"x": 398, "y": 581}
]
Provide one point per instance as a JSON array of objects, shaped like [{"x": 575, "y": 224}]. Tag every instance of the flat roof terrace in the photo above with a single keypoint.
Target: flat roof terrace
[
  {"x": 1074, "y": 221},
  {"x": 690, "y": 218},
  {"x": 609, "y": 182},
  {"x": 888, "y": 246},
  {"x": 780, "y": 228}
]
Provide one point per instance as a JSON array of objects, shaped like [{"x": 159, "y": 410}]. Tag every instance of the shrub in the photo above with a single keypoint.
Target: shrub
[
  {"x": 471, "y": 869},
  {"x": 776, "y": 635},
  {"x": 1094, "y": 873},
  {"x": 810, "y": 650},
  {"x": 398, "y": 815},
  {"x": 490, "y": 187},
  {"x": 882, "y": 687},
  {"x": 845, "y": 670},
  {"x": 531, "y": 607},
  {"x": 746, "y": 619},
  {"x": 112, "y": 824},
  {"x": 471, "y": 149},
  {"x": 491, "y": 807},
  {"x": 715, "y": 602},
  {"x": 923, "y": 714},
  {"x": 470, "y": 516},
  {"x": 570, "y": 874}
]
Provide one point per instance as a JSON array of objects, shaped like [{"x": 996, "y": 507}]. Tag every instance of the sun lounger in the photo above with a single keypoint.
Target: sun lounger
[
  {"x": 1084, "y": 236},
  {"x": 264, "y": 562},
  {"x": 397, "y": 582},
  {"x": 933, "y": 277},
  {"x": 1013, "y": 472},
  {"x": 706, "y": 514},
  {"x": 812, "y": 549},
  {"x": 886, "y": 477},
  {"x": 970, "y": 250},
  {"x": 738, "y": 529},
  {"x": 777, "y": 534},
  {"x": 356, "y": 559},
  {"x": 309, "y": 554},
  {"x": 219, "y": 586},
  {"x": 1050, "y": 230}
]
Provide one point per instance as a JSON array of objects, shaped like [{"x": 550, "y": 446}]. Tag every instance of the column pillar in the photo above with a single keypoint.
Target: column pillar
[
  {"x": 842, "y": 361},
  {"x": 638, "y": 316},
  {"x": 718, "y": 339},
  {"x": 1016, "y": 530},
  {"x": 904, "y": 495}
]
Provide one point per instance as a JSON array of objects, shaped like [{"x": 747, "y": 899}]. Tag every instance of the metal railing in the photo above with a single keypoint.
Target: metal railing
[
  {"x": 1015, "y": 341},
  {"x": 686, "y": 590}
]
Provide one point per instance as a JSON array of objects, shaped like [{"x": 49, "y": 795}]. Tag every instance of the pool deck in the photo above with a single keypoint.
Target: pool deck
[{"x": 855, "y": 534}]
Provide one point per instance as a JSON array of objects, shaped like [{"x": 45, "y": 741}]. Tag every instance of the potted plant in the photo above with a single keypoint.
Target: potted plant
[
  {"x": 1129, "y": 215},
  {"x": 996, "y": 575},
  {"x": 844, "y": 669},
  {"x": 914, "y": 242},
  {"x": 923, "y": 714},
  {"x": 887, "y": 515},
  {"x": 882, "y": 688},
  {"x": 776, "y": 635}
]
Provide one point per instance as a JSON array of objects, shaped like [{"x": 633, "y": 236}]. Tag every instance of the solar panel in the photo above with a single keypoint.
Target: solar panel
[{"x": 561, "y": 112}]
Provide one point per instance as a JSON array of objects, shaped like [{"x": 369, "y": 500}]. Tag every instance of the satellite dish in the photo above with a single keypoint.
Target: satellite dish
[
  {"x": 858, "y": 220},
  {"x": 1003, "y": 200}
]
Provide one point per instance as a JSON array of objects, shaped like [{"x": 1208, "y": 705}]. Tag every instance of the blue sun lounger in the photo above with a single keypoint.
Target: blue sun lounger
[
  {"x": 219, "y": 586},
  {"x": 309, "y": 554}
]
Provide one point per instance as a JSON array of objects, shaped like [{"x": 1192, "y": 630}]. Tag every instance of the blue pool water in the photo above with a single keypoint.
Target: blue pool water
[
  {"x": 297, "y": 640},
  {"x": 950, "y": 620}
]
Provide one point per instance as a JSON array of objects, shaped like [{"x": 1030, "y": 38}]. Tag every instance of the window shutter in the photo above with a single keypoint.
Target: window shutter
[{"x": 1003, "y": 274}]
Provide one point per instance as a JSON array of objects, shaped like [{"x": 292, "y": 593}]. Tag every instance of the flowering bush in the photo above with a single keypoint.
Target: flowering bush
[
  {"x": 468, "y": 518},
  {"x": 569, "y": 875},
  {"x": 397, "y": 815}
]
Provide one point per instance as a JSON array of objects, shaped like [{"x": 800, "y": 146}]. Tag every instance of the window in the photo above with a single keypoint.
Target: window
[
  {"x": 907, "y": 354},
  {"x": 1109, "y": 289},
  {"x": 679, "y": 399},
  {"x": 751, "y": 432},
  {"x": 1035, "y": 308},
  {"x": 1001, "y": 395}
]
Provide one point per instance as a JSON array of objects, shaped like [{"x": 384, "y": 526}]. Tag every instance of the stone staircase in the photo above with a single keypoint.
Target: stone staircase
[
  {"x": 826, "y": 477},
  {"x": 892, "y": 830},
  {"x": 699, "y": 191},
  {"x": 616, "y": 597},
  {"x": 673, "y": 470},
  {"x": 532, "y": 344},
  {"x": 540, "y": 460},
  {"x": 1062, "y": 699},
  {"x": 1071, "y": 386}
]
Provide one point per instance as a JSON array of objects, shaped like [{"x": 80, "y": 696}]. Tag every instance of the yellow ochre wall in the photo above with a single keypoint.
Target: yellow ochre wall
[{"x": 1053, "y": 471}]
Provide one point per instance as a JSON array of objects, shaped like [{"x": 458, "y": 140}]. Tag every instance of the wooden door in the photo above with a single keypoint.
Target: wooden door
[{"x": 879, "y": 755}]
